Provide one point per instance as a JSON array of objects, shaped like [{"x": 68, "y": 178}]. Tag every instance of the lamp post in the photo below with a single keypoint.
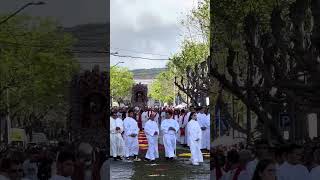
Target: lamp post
[{"x": 22, "y": 8}]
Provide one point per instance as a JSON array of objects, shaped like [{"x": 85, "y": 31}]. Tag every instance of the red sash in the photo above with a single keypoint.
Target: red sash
[{"x": 182, "y": 132}]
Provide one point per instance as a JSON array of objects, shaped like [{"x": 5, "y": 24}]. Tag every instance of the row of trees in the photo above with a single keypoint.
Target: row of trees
[
  {"x": 36, "y": 67},
  {"x": 270, "y": 55},
  {"x": 263, "y": 57}
]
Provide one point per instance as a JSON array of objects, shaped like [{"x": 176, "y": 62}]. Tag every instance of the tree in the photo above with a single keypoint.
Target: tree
[
  {"x": 35, "y": 68},
  {"x": 162, "y": 88},
  {"x": 121, "y": 82},
  {"x": 275, "y": 55}
]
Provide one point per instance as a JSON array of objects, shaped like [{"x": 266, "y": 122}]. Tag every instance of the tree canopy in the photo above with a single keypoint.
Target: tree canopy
[
  {"x": 121, "y": 83},
  {"x": 35, "y": 67}
]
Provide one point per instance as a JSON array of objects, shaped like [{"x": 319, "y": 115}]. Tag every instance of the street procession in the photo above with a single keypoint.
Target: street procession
[{"x": 166, "y": 126}]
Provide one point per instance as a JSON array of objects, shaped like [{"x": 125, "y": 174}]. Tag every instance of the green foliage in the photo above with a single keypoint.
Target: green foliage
[
  {"x": 121, "y": 82},
  {"x": 35, "y": 65},
  {"x": 162, "y": 88}
]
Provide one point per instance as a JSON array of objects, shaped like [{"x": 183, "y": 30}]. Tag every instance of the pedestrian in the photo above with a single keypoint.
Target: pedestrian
[
  {"x": 195, "y": 136},
  {"x": 130, "y": 136},
  {"x": 116, "y": 140},
  {"x": 169, "y": 127},
  {"x": 30, "y": 167},
  {"x": 265, "y": 170},
  {"x": 152, "y": 133},
  {"x": 204, "y": 123},
  {"x": 65, "y": 166},
  {"x": 315, "y": 172},
  {"x": 292, "y": 168}
]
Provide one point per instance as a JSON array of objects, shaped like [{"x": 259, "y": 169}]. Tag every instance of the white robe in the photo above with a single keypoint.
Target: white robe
[
  {"x": 116, "y": 140},
  {"x": 293, "y": 172},
  {"x": 186, "y": 119},
  {"x": 315, "y": 173},
  {"x": 182, "y": 124},
  {"x": 194, "y": 132},
  {"x": 144, "y": 118},
  {"x": 156, "y": 118},
  {"x": 131, "y": 143},
  {"x": 204, "y": 122},
  {"x": 169, "y": 137},
  {"x": 150, "y": 128}
]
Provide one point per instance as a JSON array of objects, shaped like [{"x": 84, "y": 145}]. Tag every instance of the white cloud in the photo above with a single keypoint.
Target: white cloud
[{"x": 147, "y": 26}]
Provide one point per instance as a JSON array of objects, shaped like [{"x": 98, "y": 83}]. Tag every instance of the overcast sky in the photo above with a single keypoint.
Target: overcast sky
[
  {"x": 146, "y": 26},
  {"x": 137, "y": 26}
]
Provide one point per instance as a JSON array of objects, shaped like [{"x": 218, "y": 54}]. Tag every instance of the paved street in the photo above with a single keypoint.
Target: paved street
[{"x": 179, "y": 169}]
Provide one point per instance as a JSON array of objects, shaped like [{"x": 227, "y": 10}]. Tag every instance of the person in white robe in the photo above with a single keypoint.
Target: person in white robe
[
  {"x": 186, "y": 120},
  {"x": 204, "y": 123},
  {"x": 144, "y": 118},
  {"x": 195, "y": 135},
  {"x": 157, "y": 116},
  {"x": 130, "y": 136},
  {"x": 292, "y": 168},
  {"x": 152, "y": 133},
  {"x": 116, "y": 140},
  {"x": 182, "y": 123},
  {"x": 169, "y": 127}
]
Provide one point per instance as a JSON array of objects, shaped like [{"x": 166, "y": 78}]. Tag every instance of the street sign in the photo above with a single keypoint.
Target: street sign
[{"x": 284, "y": 120}]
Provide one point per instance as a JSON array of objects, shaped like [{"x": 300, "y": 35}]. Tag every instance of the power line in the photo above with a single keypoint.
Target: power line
[
  {"x": 138, "y": 57},
  {"x": 84, "y": 51},
  {"x": 139, "y": 52}
]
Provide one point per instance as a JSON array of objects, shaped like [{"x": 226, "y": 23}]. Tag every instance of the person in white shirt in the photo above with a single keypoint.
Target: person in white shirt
[
  {"x": 116, "y": 140},
  {"x": 262, "y": 152},
  {"x": 30, "y": 167},
  {"x": 265, "y": 170},
  {"x": 292, "y": 168},
  {"x": 195, "y": 136},
  {"x": 315, "y": 172},
  {"x": 169, "y": 127},
  {"x": 65, "y": 166},
  {"x": 130, "y": 136},
  {"x": 152, "y": 133}
]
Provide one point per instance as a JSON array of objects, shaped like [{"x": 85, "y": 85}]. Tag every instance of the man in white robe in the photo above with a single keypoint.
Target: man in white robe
[
  {"x": 116, "y": 140},
  {"x": 152, "y": 133},
  {"x": 182, "y": 123},
  {"x": 130, "y": 136},
  {"x": 169, "y": 127},
  {"x": 204, "y": 123},
  {"x": 195, "y": 135},
  {"x": 144, "y": 118},
  {"x": 292, "y": 169}
]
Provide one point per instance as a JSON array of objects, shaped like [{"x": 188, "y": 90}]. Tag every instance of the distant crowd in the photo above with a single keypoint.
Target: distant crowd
[
  {"x": 62, "y": 162},
  {"x": 265, "y": 162}
]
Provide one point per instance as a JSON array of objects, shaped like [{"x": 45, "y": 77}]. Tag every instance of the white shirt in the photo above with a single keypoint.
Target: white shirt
[
  {"x": 315, "y": 173},
  {"x": 151, "y": 127},
  {"x": 130, "y": 126},
  {"x": 194, "y": 130},
  {"x": 116, "y": 123},
  {"x": 167, "y": 123},
  {"x": 293, "y": 172}
]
